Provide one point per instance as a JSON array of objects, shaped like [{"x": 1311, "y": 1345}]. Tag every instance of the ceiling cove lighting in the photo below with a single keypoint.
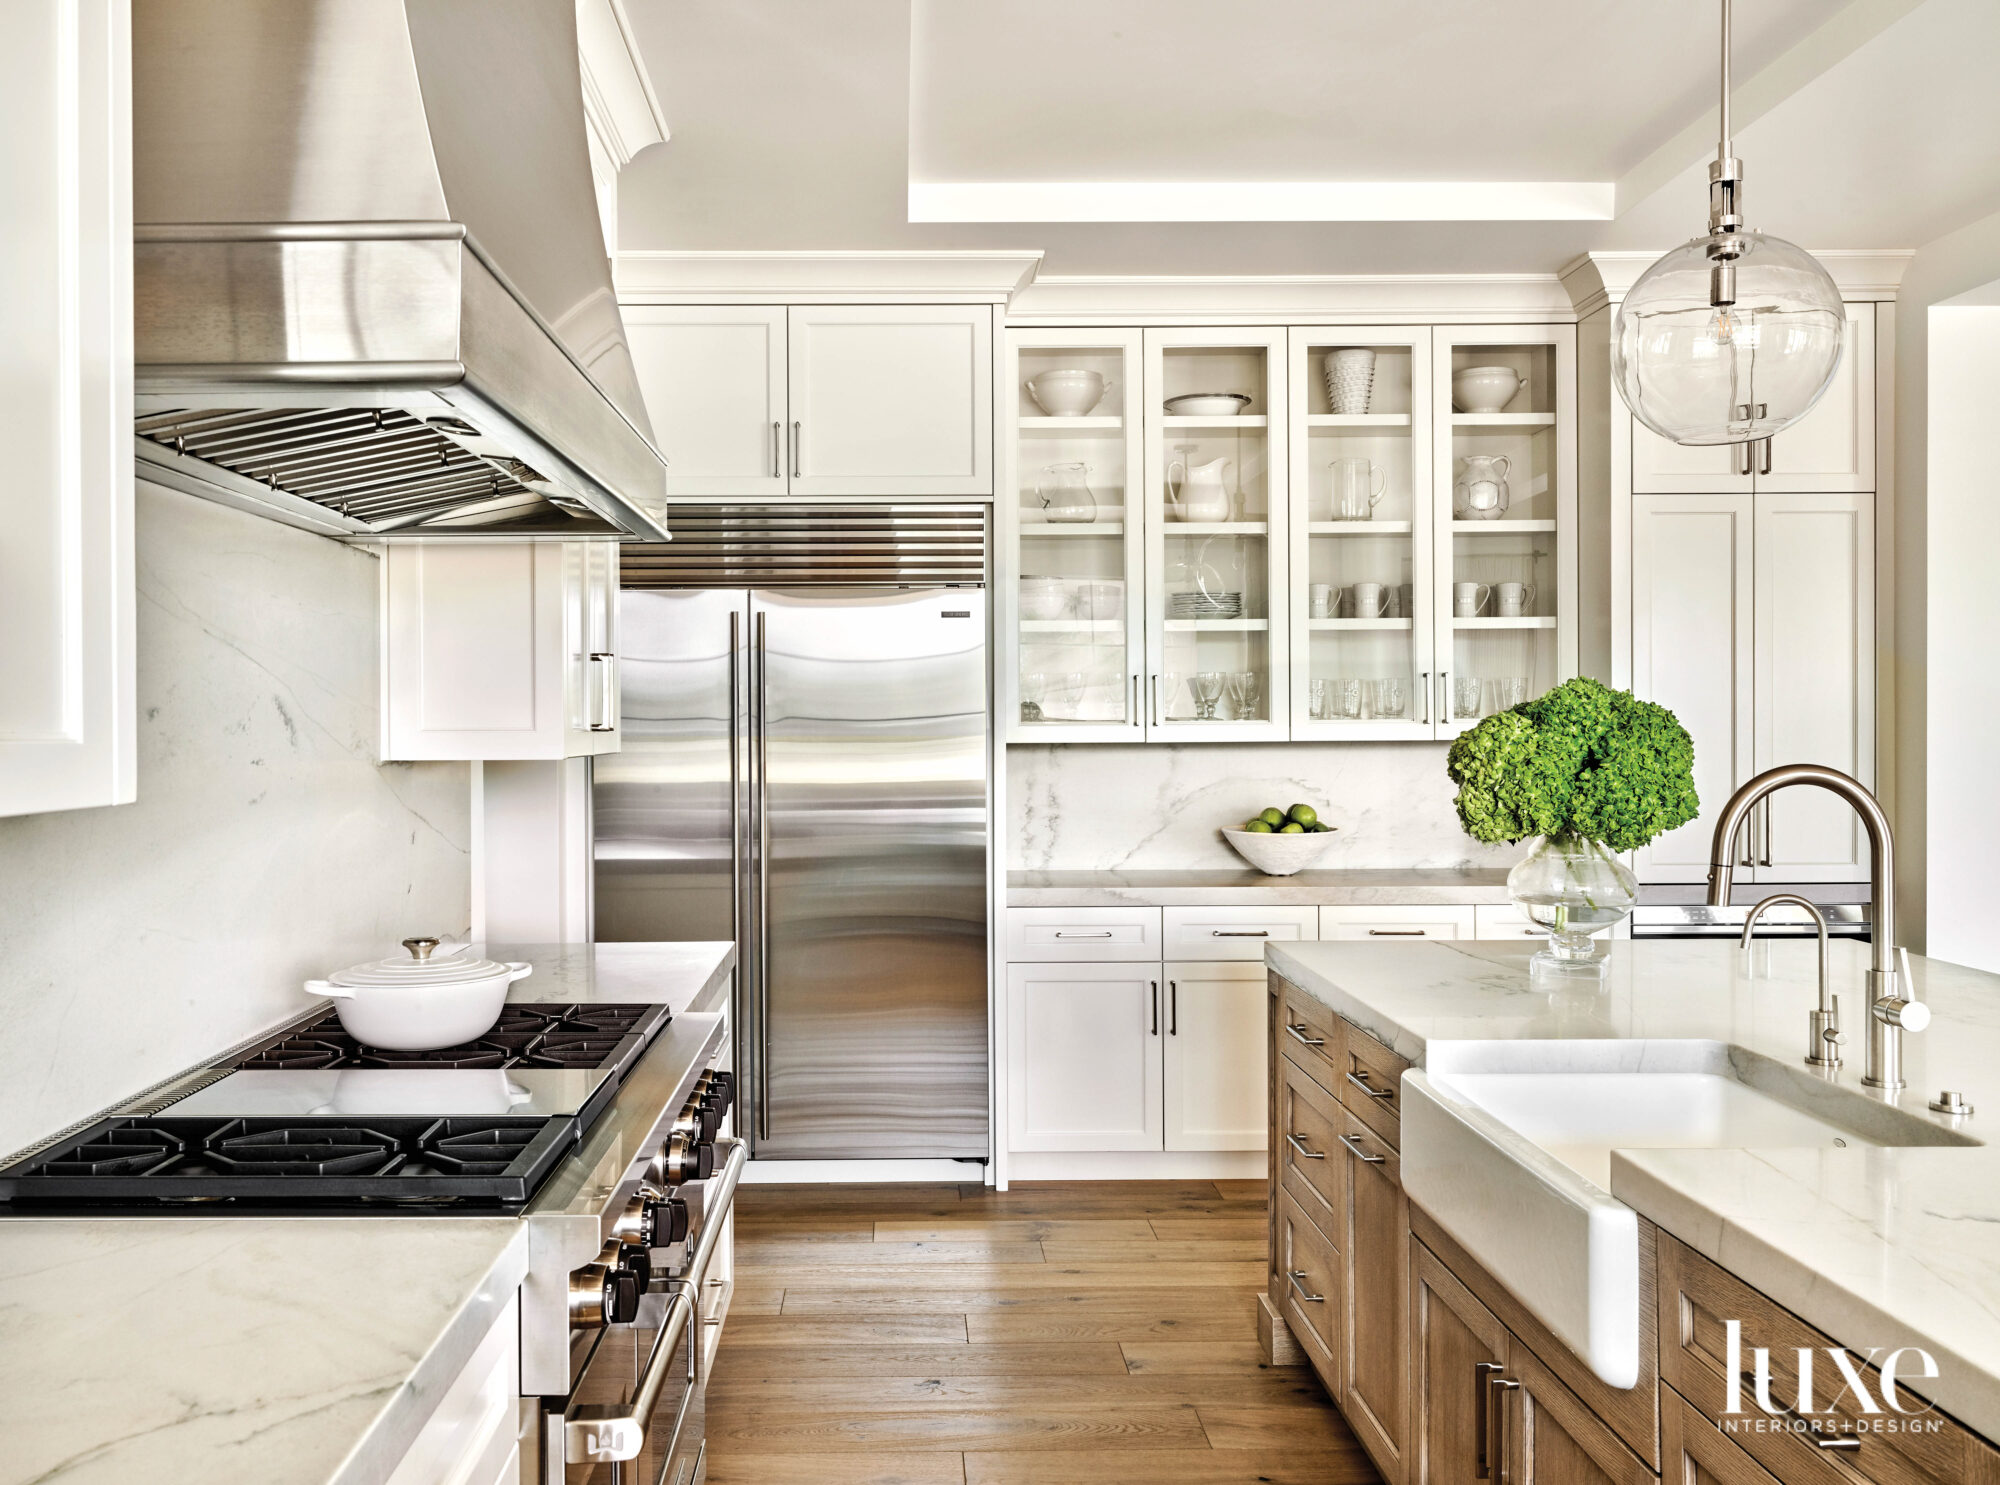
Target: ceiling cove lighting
[{"x": 1730, "y": 337}]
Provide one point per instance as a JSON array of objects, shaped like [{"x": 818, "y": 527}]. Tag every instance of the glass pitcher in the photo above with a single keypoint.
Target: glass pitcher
[
  {"x": 1064, "y": 490},
  {"x": 1358, "y": 487},
  {"x": 1481, "y": 491}
]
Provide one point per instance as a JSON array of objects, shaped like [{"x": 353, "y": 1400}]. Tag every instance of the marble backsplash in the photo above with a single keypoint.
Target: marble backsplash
[
  {"x": 1159, "y": 808},
  {"x": 267, "y": 844}
]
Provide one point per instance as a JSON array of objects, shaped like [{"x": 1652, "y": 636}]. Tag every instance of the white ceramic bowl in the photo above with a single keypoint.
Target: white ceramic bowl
[
  {"x": 1044, "y": 597},
  {"x": 419, "y": 1003},
  {"x": 1278, "y": 855},
  {"x": 1207, "y": 405},
  {"x": 1068, "y": 393},
  {"x": 1484, "y": 389}
]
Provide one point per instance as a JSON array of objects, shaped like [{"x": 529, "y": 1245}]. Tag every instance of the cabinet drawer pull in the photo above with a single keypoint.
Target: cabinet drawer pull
[
  {"x": 1360, "y": 1080},
  {"x": 1844, "y": 1443},
  {"x": 1360, "y": 1154},
  {"x": 1304, "y": 1154},
  {"x": 1398, "y": 933},
  {"x": 1483, "y": 1373},
  {"x": 1298, "y": 1034},
  {"x": 1095, "y": 933},
  {"x": 1239, "y": 933},
  {"x": 1293, "y": 1277}
]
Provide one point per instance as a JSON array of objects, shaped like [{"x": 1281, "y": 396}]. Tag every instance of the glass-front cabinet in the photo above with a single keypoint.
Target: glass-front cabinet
[{"x": 1216, "y": 516}]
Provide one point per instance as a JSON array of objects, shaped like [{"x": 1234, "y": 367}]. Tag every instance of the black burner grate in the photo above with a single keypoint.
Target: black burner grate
[{"x": 578, "y": 1036}]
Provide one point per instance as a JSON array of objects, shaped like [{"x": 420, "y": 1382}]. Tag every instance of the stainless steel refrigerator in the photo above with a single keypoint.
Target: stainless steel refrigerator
[{"x": 804, "y": 770}]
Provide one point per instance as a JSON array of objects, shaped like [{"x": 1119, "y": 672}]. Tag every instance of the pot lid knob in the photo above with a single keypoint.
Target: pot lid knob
[{"x": 420, "y": 948}]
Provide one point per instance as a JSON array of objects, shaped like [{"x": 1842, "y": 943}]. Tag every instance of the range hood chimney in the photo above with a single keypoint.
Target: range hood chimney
[{"x": 371, "y": 290}]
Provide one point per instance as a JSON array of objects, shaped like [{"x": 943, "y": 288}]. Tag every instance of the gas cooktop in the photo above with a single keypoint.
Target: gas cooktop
[{"x": 313, "y": 1120}]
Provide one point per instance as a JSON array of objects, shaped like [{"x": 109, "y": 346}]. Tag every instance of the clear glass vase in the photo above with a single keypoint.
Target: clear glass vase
[{"x": 1575, "y": 888}]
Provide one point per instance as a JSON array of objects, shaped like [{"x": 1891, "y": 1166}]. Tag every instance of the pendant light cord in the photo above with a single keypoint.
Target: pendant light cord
[{"x": 1722, "y": 150}]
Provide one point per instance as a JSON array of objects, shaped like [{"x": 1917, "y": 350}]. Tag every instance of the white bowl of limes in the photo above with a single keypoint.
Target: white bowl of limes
[{"x": 1281, "y": 842}]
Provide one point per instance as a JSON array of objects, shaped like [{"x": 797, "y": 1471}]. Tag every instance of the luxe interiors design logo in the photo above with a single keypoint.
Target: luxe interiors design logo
[{"x": 1853, "y": 1410}]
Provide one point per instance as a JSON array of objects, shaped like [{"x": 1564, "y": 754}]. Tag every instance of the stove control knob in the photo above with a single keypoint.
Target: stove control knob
[
  {"x": 698, "y": 1121},
  {"x": 621, "y": 1299},
  {"x": 724, "y": 1086},
  {"x": 670, "y": 1223},
  {"x": 598, "y": 1292},
  {"x": 639, "y": 1264},
  {"x": 683, "y": 1158}
]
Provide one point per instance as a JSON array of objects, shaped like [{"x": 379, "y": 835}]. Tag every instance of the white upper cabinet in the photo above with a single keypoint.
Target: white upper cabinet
[
  {"x": 714, "y": 383},
  {"x": 499, "y": 650},
  {"x": 1831, "y": 448},
  {"x": 838, "y": 400},
  {"x": 891, "y": 400},
  {"x": 68, "y": 728}
]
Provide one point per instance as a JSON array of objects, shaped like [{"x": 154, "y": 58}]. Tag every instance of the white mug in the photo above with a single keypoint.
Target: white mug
[
  {"x": 1514, "y": 599},
  {"x": 1467, "y": 599},
  {"x": 1369, "y": 599},
  {"x": 1323, "y": 598}
]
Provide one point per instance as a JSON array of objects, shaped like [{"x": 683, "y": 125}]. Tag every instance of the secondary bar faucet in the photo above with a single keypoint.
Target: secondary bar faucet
[
  {"x": 1891, "y": 1011},
  {"x": 1823, "y": 1036}
]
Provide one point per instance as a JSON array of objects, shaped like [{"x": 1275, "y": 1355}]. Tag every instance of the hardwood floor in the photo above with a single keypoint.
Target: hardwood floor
[{"x": 1056, "y": 1334}]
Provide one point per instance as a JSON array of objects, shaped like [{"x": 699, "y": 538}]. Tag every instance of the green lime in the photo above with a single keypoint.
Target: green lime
[
  {"x": 1291, "y": 827},
  {"x": 1320, "y": 826},
  {"x": 1273, "y": 817},
  {"x": 1305, "y": 814},
  {"x": 1260, "y": 825}
]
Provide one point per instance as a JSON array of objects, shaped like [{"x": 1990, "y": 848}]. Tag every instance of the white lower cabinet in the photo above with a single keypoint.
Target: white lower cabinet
[
  {"x": 1395, "y": 922},
  {"x": 473, "y": 1436},
  {"x": 1217, "y": 1053},
  {"x": 1084, "y": 1068},
  {"x": 1496, "y": 920}
]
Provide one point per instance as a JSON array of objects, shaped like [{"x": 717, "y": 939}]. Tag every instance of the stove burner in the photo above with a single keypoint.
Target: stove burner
[{"x": 577, "y": 1036}]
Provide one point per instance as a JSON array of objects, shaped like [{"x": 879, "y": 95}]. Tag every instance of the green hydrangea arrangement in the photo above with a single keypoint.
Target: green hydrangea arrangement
[{"x": 1581, "y": 759}]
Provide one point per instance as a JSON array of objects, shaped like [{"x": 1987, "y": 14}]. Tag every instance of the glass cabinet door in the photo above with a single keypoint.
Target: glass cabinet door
[
  {"x": 1505, "y": 506},
  {"x": 1074, "y": 512},
  {"x": 1216, "y": 516},
  {"x": 1360, "y": 599}
]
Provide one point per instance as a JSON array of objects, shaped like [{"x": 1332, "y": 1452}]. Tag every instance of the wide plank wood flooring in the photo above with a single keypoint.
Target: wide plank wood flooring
[{"x": 1063, "y": 1333}]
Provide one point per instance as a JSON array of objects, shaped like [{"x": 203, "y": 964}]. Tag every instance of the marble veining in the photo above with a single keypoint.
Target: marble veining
[
  {"x": 1877, "y": 1247},
  {"x": 1161, "y": 807}
]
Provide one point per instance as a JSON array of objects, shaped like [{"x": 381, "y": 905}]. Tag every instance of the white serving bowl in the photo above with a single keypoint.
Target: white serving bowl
[
  {"x": 420, "y": 1003},
  {"x": 1044, "y": 598},
  {"x": 1484, "y": 389},
  {"x": 1207, "y": 405},
  {"x": 1278, "y": 855},
  {"x": 1066, "y": 394}
]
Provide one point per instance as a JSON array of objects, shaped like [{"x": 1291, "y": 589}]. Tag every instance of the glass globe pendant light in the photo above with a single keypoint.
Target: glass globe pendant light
[{"x": 1730, "y": 337}]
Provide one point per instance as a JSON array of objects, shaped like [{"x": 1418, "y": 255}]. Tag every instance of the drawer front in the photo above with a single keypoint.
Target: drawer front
[
  {"x": 1696, "y": 1453},
  {"x": 1308, "y": 1279},
  {"x": 1312, "y": 1164},
  {"x": 1310, "y": 1034},
  {"x": 1086, "y": 935},
  {"x": 1490, "y": 921},
  {"x": 1698, "y": 1299},
  {"x": 1392, "y": 924},
  {"x": 1371, "y": 1084},
  {"x": 1234, "y": 932}
]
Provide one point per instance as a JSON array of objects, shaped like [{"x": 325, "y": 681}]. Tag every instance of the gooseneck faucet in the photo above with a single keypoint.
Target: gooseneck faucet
[
  {"x": 1823, "y": 1036},
  {"x": 1891, "y": 1012}
]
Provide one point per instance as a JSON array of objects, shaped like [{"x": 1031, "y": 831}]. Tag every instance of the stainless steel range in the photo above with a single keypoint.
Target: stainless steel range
[{"x": 606, "y": 1128}]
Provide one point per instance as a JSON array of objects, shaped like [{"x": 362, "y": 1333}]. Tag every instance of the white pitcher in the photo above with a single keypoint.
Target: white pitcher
[{"x": 1203, "y": 492}]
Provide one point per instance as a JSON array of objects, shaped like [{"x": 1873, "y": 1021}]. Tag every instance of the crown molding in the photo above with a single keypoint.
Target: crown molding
[
  {"x": 804, "y": 277},
  {"x": 1516, "y": 298},
  {"x": 619, "y": 103},
  {"x": 1596, "y": 281},
  {"x": 1262, "y": 201}
]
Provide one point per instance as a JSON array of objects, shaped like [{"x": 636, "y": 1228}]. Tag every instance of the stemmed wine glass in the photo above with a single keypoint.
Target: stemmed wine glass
[
  {"x": 1207, "y": 687},
  {"x": 1245, "y": 687},
  {"x": 1034, "y": 686}
]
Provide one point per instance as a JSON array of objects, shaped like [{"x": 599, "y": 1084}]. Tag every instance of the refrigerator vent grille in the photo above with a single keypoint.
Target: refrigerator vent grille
[{"x": 733, "y": 546}]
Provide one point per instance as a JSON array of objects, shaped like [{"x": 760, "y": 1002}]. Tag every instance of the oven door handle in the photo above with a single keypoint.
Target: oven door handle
[
  {"x": 597, "y": 1433},
  {"x": 718, "y": 1195}
]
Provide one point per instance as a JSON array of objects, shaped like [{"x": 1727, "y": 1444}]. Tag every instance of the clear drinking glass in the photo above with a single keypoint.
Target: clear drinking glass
[
  {"x": 1347, "y": 694},
  {"x": 1034, "y": 686},
  {"x": 1465, "y": 695},
  {"x": 1207, "y": 688},
  {"x": 1245, "y": 689},
  {"x": 1513, "y": 691},
  {"x": 1316, "y": 689},
  {"x": 1170, "y": 694},
  {"x": 1389, "y": 696}
]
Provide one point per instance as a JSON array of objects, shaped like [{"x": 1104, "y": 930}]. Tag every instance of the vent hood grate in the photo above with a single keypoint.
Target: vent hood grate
[{"x": 813, "y": 546}]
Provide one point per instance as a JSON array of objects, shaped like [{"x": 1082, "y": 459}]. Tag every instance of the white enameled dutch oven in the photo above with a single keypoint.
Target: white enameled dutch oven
[{"x": 422, "y": 1002}]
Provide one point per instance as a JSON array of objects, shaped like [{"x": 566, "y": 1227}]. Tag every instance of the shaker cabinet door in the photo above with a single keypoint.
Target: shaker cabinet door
[
  {"x": 1084, "y": 1061},
  {"x": 714, "y": 382},
  {"x": 1456, "y": 1346},
  {"x": 1216, "y": 1055},
  {"x": 1833, "y": 446}
]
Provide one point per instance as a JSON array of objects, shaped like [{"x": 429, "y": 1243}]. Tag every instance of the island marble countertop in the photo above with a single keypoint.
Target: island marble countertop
[
  {"x": 1876, "y": 1247},
  {"x": 282, "y": 1350},
  {"x": 1213, "y": 888}
]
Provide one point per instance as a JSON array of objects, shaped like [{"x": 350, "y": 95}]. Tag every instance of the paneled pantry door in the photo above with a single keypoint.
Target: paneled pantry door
[
  {"x": 1216, "y": 507},
  {"x": 1072, "y": 512},
  {"x": 1360, "y": 603}
]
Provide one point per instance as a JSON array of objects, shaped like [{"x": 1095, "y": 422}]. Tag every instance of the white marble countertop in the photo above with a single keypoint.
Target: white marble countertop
[
  {"x": 273, "y": 1351},
  {"x": 1223, "y": 887},
  {"x": 1876, "y": 1247}
]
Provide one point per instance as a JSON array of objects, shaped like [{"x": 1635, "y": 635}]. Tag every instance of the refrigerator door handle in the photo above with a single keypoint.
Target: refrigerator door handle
[
  {"x": 763, "y": 808},
  {"x": 735, "y": 786}
]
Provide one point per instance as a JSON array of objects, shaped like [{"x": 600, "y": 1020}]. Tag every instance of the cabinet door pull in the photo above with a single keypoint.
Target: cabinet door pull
[
  {"x": 1154, "y": 688},
  {"x": 1354, "y": 1149},
  {"x": 1095, "y": 933},
  {"x": 796, "y": 441},
  {"x": 1842, "y": 1443},
  {"x": 1173, "y": 1007},
  {"x": 1483, "y": 1373},
  {"x": 1293, "y": 1277},
  {"x": 1239, "y": 933},
  {"x": 1360, "y": 1080},
  {"x": 1497, "y": 1389},
  {"x": 777, "y": 458},
  {"x": 1427, "y": 696},
  {"x": 1398, "y": 933},
  {"x": 1298, "y": 1034},
  {"x": 1305, "y": 1153},
  {"x": 605, "y": 718},
  {"x": 1155, "y": 985},
  {"x": 1138, "y": 714}
]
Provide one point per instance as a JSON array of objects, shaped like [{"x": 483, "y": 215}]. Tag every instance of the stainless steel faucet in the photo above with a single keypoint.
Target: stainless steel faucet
[
  {"x": 1823, "y": 1038},
  {"x": 1891, "y": 1012}
]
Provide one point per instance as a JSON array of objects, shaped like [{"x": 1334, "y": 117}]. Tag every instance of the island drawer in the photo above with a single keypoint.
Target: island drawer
[
  {"x": 1114, "y": 935},
  {"x": 1698, "y": 1299},
  {"x": 1235, "y": 932},
  {"x": 1309, "y": 1034},
  {"x": 1371, "y": 1084},
  {"x": 1306, "y": 1288},
  {"x": 1312, "y": 1166}
]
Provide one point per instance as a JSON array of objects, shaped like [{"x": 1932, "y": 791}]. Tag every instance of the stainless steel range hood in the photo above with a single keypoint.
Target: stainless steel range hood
[{"x": 370, "y": 286}]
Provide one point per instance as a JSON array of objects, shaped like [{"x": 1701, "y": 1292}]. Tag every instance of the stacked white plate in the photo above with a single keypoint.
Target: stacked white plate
[{"x": 1199, "y": 605}]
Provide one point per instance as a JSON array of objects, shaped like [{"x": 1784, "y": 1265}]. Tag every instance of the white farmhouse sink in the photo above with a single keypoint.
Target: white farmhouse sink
[{"x": 1508, "y": 1145}]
